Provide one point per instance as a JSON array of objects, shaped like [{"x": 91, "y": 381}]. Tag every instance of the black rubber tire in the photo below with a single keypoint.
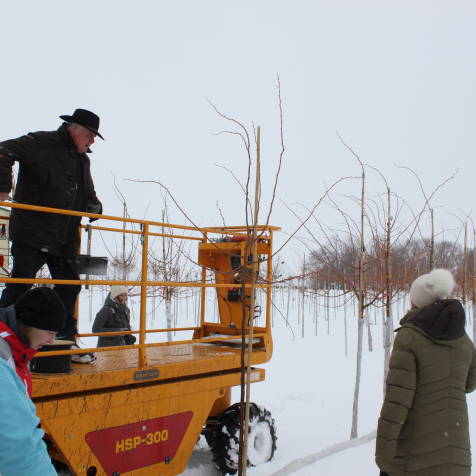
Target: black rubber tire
[
  {"x": 224, "y": 439},
  {"x": 209, "y": 433}
]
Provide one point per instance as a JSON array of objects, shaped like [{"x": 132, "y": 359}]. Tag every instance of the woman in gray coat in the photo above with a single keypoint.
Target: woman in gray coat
[{"x": 114, "y": 316}]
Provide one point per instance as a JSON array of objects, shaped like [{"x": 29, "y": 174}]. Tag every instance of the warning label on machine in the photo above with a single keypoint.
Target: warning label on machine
[{"x": 136, "y": 445}]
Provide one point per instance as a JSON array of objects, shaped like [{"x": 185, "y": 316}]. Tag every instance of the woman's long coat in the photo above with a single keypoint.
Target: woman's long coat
[
  {"x": 423, "y": 427},
  {"x": 112, "y": 317}
]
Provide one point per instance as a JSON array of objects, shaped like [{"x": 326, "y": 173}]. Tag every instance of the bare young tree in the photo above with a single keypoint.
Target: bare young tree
[
  {"x": 124, "y": 260},
  {"x": 169, "y": 263}
]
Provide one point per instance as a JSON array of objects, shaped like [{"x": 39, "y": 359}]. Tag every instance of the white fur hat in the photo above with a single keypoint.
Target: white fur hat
[
  {"x": 116, "y": 290},
  {"x": 427, "y": 288}
]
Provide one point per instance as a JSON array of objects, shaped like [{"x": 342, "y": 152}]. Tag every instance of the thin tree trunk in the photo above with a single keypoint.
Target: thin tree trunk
[
  {"x": 153, "y": 309},
  {"x": 316, "y": 315},
  {"x": 361, "y": 304},
  {"x": 336, "y": 303},
  {"x": 299, "y": 304},
  {"x": 345, "y": 331},
  {"x": 168, "y": 314},
  {"x": 124, "y": 277},
  {"x": 175, "y": 311},
  {"x": 388, "y": 321},
  {"x": 432, "y": 242},
  {"x": 369, "y": 332},
  {"x": 303, "y": 290},
  {"x": 387, "y": 346},
  {"x": 326, "y": 303},
  {"x": 358, "y": 372},
  {"x": 465, "y": 262},
  {"x": 287, "y": 307},
  {"x": 252, "y": 248}
]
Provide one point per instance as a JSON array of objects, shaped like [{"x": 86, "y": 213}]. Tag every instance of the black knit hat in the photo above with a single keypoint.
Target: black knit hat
[{"x": 41, "y": 308}]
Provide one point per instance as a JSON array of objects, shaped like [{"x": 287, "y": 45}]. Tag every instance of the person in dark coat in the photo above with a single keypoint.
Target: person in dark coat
[
  {"x": 54, "y": 171},
  {"x": 25, "y": 327},
  {"x": 114, "y": 316},
  {"x": 423, "y": 428}
]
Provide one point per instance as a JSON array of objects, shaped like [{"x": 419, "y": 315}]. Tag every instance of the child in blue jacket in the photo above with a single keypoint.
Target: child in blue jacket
[{"x": 25, "y": 326}]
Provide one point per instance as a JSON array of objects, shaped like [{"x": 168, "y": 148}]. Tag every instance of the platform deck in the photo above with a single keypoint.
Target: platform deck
[{"x": 115, "y": 368}]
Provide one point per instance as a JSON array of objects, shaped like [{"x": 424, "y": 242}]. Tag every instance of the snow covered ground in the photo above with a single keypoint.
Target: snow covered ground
[{"x": 309, "y": 390}]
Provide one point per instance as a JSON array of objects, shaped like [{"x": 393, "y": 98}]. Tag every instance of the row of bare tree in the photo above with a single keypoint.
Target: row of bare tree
[{"x": 335, "y": 266}]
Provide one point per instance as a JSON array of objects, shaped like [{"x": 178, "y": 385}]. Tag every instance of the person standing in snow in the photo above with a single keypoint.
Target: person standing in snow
[
  {"x": 27, "y": 325},
  {"x": 54, "y": 171},
  {"x": 423, "y": 428},
  {"x": 114, "y": 316}
]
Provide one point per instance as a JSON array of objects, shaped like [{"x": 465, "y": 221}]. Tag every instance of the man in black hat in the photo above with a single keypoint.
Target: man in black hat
[{"x": 54, "y": 171}]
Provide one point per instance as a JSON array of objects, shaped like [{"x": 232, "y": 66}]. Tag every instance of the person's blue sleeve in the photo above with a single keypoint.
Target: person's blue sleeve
[{"x": 22, "y": 449}]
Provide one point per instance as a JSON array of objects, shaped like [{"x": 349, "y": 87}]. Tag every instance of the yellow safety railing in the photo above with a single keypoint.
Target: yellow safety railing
[{"x": 144, "y": 282}]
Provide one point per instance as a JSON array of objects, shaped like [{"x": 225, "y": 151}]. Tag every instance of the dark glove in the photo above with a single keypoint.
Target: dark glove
[
  {"x": 129, "y": 339},
  {"x": 94, "y": 207}
]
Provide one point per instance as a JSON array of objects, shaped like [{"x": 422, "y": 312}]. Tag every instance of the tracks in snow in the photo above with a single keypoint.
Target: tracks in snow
[{"x": 300, "y": 463}]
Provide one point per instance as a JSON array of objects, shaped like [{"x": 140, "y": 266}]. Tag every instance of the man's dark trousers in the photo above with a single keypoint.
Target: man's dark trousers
[{"x": 26, "y": 263}]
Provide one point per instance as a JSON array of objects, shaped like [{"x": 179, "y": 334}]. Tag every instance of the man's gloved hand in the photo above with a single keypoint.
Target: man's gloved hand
[
  {"x": 94, "y": 207},
  {"x": 129, "y": 339}
]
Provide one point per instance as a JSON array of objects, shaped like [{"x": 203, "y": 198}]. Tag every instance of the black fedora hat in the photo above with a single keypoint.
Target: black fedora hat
[{"x": 85, "y": 118}]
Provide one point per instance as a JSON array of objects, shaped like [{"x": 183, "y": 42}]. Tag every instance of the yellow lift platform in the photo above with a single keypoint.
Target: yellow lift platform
[{"x": 140, "y": 409}]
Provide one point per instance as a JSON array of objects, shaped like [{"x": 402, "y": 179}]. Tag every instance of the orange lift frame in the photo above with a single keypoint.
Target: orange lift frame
[{"x": 140, "y": 409}]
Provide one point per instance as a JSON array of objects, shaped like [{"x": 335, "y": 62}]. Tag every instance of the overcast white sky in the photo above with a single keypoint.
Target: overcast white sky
[{"x": 395, "y": 78}]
